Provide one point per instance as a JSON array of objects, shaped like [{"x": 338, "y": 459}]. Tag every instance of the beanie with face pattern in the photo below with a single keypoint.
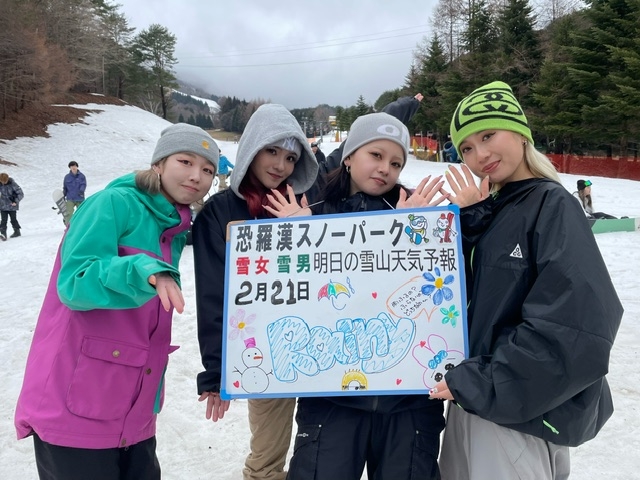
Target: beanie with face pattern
[{"x": 490, "y": 107}]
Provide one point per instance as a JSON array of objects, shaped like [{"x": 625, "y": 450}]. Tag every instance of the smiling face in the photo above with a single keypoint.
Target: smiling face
[
  {"x": 185, "y": 177},
  {"x": 273, "y": 165},
  {"x": 375, "y": 167},
  {"x": 498, "y": 154}
]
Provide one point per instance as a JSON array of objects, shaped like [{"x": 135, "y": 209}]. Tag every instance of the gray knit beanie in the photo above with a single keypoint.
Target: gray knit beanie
[
  {"x": 183, "y": 137},
  {"x": 376, "y": 126}
]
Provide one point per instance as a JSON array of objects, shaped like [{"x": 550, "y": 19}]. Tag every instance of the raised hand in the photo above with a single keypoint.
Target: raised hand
[
  {"x": 423, "y": 195},
  {"x": 464, "y": 188},
  {"x": 282, "y": 206}
]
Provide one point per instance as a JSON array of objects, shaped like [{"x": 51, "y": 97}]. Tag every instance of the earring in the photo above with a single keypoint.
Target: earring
[
  {"x": 348, "y": 168},
  {"x": 524, "y": 143}
]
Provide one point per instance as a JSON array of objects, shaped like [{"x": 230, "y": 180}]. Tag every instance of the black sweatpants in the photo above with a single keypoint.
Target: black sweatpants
[
  {"x": 334, "y": 442},
  {"x": 136, "y": 462},
  {"x": 6, "y": 215}
]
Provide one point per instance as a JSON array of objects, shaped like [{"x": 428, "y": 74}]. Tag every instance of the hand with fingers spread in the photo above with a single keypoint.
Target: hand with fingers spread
[
  {"x": 168, "y": 291},
  {"x": 423, "y": 195},
  {"x": 465, "y": 190},
  {"x": 216, "y": 407},
  {"x": 283, "y": 207}
]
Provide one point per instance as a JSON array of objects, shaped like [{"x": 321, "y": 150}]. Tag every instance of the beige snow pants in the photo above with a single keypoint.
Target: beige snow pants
[{"x": 271, "y": 422}]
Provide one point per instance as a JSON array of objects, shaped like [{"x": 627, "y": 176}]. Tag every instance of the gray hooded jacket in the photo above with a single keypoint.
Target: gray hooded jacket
[{"x": 269, "y": 124}]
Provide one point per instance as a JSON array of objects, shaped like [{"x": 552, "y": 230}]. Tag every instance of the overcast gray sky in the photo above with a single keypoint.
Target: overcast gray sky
[{"x": 295, "y": 52}]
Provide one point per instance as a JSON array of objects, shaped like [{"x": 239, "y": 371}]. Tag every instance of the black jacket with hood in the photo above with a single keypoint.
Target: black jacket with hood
[
  {"x": 542, "y": 315},
  {"x": 269, "y": 124},
  {"x": 361, "y": 202}
]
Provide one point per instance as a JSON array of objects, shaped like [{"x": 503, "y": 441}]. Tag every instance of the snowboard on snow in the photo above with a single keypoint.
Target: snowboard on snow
[
  {"x": 605, "y": 225},
  {"x": 61, "y": 204}
]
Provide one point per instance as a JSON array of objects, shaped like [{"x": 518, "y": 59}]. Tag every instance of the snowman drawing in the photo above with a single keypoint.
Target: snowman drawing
[{"x": 254, "y": 379}]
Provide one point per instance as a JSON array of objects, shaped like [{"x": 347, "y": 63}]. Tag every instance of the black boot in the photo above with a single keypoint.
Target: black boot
[
  {"x": 3, "y": 235},
  {"x": 16, "y": 233}
]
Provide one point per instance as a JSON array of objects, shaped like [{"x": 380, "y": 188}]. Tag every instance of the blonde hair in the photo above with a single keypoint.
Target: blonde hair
[
  {"x": 539, "y": 164},
  {"x": 149, "y": 180}
]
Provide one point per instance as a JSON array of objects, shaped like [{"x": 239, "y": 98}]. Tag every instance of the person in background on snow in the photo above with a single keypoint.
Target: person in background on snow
[
  {"x": 272, "y": 153},
  {"x": 542, "y": 311},
  {"x": 584, "y": 197},
  {"x": 10, "y": 197},
  {"x": 94, "y": 379},
  {"x": 223, "y": 172},
  {"x": 403, "y": 109},
  {"x": 73, "y": 187},
  {"x": 320, "y": 158},
  {"x": 395, "y": 436}
]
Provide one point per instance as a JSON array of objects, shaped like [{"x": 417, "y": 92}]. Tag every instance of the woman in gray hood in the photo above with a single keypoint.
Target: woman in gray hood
[{"x": 272, "y": 153}]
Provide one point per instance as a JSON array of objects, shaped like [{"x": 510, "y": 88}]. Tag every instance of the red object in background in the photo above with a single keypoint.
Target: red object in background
[{"x": 612, "y": 167}]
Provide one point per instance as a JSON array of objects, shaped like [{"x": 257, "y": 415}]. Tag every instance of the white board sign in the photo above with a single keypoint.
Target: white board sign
[{"x": 372, "y": 302}]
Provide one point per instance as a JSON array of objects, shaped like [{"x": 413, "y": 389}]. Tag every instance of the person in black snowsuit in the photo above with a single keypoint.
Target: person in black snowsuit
[
  {"x": 395, "y": 436},
  {"x": 322, "y": 160},
  {"x": 542, "y": 310}
]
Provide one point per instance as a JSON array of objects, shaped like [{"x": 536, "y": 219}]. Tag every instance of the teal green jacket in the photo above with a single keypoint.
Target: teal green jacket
[{"x": 114, "y": 244}]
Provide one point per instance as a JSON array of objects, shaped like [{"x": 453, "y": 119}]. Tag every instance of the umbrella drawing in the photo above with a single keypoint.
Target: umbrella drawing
[{"x": 331, "y": 291}]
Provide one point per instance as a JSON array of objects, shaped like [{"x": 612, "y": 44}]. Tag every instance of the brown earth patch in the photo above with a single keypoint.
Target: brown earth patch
[{"x": 33, "y": 120}]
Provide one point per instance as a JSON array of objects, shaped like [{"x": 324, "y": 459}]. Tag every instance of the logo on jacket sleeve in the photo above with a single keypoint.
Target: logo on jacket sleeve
[{"x": 517, "y": 252}]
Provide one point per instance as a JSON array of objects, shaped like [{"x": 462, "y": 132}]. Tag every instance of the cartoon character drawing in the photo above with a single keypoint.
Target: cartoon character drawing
[
  {"x": 444, "y": 229},
  {"x": 436, "y": 358},
  {"x": 354, "y": 380},
  {"x": 254, "y": 379},
  {"x": 417, "y": 229},
  {"x": 332, "y": 290}
]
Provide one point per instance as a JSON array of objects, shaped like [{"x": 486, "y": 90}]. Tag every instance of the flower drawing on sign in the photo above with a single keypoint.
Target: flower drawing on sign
[
  {"x": 240, "y": 325},
  {"x": 450, "y": 315},
  {"x": 437, "y": 286}
]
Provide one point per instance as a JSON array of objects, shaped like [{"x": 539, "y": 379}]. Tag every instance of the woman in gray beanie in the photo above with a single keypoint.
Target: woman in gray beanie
[
  {"x": 393, "y": 435},
  {"x": 273, "y": 154},
  {"x": 94, "y": 380}
]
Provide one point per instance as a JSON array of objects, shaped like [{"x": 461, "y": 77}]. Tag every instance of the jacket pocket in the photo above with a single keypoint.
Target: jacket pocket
[
  {"x": 303, "y": 465},
  {"x": 106, "y": 379}
]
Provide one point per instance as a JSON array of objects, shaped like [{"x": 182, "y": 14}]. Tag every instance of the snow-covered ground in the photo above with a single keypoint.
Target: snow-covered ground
[{"x": 118, "y": 139}]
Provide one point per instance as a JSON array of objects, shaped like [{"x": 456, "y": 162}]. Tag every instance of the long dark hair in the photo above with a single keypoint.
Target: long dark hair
[{"x": 255, "y": 195}]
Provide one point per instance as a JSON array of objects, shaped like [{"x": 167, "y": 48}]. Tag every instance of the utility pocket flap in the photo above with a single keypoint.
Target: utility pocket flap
[{"x": 115, "y": 352}]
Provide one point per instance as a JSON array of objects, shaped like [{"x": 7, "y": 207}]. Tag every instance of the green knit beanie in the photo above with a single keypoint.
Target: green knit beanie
[{"x": 489, "y": 107}]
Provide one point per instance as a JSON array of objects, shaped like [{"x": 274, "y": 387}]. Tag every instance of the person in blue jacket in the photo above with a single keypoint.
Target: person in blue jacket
[
  {"x": 74, "y": 185},
  {"x": 542, "y": 311},
  {"x": 223, "y": 172}
]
